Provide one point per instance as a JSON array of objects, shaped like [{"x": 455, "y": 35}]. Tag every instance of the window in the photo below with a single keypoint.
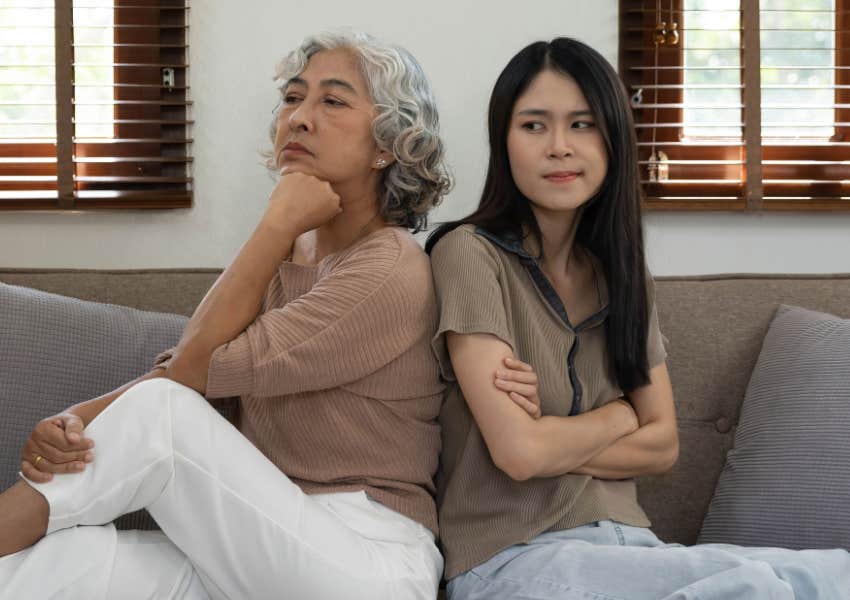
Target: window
[
  {"x": 740, "y": 104},
  {"x": 93, "y": 104}
]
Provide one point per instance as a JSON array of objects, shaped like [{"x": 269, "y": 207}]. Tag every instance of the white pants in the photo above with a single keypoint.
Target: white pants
[{"x": 232, "y": 520}]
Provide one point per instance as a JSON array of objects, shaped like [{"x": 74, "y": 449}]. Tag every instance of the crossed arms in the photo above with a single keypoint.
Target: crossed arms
[{"x": 622, "y": 439}]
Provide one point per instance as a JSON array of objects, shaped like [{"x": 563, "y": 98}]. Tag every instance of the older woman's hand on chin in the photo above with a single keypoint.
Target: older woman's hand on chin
[{"x": 301, "y": 202}]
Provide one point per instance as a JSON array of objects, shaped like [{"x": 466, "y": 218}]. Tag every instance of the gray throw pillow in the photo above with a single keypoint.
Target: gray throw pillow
[
  {"x": 56, "y": 351},
  {"x": 786, "y": 482}
]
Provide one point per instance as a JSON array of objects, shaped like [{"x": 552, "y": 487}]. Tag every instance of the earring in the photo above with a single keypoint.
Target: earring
[{"x": 381, "y": 163}]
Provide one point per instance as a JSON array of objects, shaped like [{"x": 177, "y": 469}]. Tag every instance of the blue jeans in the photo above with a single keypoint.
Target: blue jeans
[{"x": 611, "y": 561}]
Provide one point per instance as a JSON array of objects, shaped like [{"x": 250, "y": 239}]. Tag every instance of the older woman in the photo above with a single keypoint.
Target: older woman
[{"x": 321, "y": 326}]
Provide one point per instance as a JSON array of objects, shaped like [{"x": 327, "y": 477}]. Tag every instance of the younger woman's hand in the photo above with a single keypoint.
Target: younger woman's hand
[
  {"x": 519, "y": 381},
  {"x": 56, "y": 445},
  {"x": 302, "y": 202}
]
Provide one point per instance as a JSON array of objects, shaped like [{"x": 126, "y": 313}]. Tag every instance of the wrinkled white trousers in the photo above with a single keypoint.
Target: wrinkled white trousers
[{"x": 233, "y": 526}]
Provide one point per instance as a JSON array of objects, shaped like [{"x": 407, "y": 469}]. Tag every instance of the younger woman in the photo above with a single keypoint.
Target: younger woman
[{"x": 558, "y": 393}]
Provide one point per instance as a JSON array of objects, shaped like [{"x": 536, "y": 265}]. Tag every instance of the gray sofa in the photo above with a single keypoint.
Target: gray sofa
[{"x": 714, "y": 326}]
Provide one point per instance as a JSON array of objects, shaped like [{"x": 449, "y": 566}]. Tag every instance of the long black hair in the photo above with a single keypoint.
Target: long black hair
[{"x": 610, "y": 221}]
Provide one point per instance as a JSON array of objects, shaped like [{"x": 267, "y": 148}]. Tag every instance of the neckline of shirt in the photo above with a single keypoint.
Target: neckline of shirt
[{"x": 339, "y": 253}]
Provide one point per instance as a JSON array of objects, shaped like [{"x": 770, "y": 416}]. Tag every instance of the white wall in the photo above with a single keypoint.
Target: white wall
[{"x": 462, "y": 46}]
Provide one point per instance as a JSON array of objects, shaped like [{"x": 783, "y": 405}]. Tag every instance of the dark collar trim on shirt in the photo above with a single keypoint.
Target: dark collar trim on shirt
[
  {"x": 511, "y": 243},
  {"x": 507, "y": 241}
]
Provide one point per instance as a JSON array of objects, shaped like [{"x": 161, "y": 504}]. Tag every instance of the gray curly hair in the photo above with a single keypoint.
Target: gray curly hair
[{"x": 407, "y": 124}]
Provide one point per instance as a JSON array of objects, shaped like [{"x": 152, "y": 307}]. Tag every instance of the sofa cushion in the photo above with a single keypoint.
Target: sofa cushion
[
  {"x": 56, "y": 351},
  {"x": 787, "y": 479}
]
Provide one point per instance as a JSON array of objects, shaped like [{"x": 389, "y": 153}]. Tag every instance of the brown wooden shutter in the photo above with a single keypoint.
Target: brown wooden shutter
[
  {"x": 751, "y": 170},
  {"x": 27, "y": 138},
  {"x": 139, "y": 155}
]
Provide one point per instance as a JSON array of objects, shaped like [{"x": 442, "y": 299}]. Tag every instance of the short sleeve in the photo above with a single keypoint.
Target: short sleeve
[
  {"x": 368, "y": 311},
  {"x": 467, "y": 279},
  {"x": 655, "y": 350}
]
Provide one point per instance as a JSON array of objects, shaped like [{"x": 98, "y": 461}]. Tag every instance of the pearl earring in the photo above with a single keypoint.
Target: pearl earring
[{"x": 381, "y": 163}]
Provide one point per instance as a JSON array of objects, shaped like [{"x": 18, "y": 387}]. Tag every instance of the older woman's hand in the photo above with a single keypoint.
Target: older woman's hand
[
  {"x": 56, "y": 445},
  {"x": 302, "y": 202}
]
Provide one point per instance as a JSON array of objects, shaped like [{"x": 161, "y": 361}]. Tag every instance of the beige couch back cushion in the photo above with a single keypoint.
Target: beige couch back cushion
[
  {"x": 167, "y": 290},
  {"x": 714, "y": 327}
]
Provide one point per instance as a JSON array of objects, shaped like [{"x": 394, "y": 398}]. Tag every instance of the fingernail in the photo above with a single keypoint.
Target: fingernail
[
  {"x": 74, "y": 437},
  {"x": 79, "y": 466},
  {"x": 91, "y": 444},
  {"x": 500, "y": 373},
  {"x": 88, "y": 457}
]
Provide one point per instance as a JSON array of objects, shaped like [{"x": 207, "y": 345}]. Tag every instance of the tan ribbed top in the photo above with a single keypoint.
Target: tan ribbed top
[
  {"x": 484, "y": 288},
  {"x": 337, "y": 382}
]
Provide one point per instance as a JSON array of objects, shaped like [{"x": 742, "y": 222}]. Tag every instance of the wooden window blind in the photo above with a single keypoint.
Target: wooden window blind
[
  {"x": 94, "y": 104},
  {"x": 740, "y": 104}
]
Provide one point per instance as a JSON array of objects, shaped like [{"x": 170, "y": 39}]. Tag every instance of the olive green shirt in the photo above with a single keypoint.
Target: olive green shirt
[{"x": 487, "y": 284}]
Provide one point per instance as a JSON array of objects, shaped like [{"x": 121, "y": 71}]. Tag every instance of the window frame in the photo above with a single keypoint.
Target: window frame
[
  {"x": 172, "y": 159},
  {"x": 720, "y": 151}
]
